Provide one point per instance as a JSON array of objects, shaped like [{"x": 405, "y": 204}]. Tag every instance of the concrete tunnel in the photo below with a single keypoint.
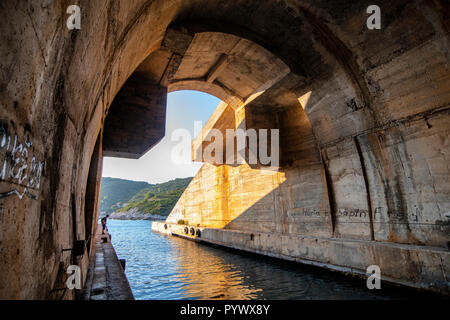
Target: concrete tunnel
[{"x": 363, "y": 116}]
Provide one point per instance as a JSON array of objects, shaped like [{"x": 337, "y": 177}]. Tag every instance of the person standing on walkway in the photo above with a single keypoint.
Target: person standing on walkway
[{"x": 104, "y": 219}]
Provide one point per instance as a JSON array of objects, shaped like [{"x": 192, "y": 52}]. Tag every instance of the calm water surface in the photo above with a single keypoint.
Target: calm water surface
[{"x": 162, "y": 267}]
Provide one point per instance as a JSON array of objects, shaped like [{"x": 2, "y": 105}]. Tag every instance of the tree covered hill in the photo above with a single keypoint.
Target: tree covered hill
[
  {"x": 124, "y": 195},
  {"x": 158, "y": 199},
  {"x": 115, "y": 192}
]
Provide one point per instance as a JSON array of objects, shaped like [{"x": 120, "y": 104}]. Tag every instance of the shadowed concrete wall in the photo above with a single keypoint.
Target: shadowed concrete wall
[
  {"x": 136, "y": 120},
  {"x": 373, "y": 119}
]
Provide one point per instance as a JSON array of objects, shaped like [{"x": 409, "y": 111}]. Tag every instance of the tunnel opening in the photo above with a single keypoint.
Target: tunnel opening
[
  {"x": 163, "y": 163},
  {"x": 324, "y": 185},
  {"x": 247, "y": 78}
]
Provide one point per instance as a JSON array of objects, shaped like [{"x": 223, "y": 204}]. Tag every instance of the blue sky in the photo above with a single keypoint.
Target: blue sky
[{"x": 183, "y": 108}]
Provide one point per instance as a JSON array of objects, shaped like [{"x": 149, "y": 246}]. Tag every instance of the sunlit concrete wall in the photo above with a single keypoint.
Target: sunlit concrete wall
[{"x": 379, "y": 185}]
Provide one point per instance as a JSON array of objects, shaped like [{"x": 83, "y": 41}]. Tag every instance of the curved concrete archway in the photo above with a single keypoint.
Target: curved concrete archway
[{"x": 363, "y": 118}]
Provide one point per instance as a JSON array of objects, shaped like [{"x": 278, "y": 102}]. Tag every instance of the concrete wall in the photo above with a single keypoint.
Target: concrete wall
[
  {"x": 136, "y": 121},
  {"x": 357, "y": 188},
  {"x": 373, "y": 118}
]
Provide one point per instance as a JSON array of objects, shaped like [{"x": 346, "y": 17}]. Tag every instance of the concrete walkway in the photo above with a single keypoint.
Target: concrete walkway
[{"x": 106, "y": 279}]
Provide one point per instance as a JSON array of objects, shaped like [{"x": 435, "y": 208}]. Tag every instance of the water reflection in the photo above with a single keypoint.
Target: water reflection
[
  {"x": 207, "y": 275},
  {"x": 161, "y": 267}
]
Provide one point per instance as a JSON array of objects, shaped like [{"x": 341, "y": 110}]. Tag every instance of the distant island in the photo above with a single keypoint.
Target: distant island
[{"x": 137, "y": 200}]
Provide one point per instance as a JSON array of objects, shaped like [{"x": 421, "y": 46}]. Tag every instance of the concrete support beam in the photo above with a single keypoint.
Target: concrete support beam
[
  {"x": 136, "y": 119},
  {"x": 217, "y": 68},
  {"x": 171, "y": 69},
  {"x": 223, "y": 118},
  {"x": 214, "y": 89},
  {"x": 226, "y": 118}
]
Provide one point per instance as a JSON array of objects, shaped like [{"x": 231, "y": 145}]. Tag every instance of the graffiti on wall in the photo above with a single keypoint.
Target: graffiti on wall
[
  {"x": 353, "y": 213},
  {"x": 18, "y": 165},
  {"x": 301, "y": 213},
  {"x": 411, "y": 216}
]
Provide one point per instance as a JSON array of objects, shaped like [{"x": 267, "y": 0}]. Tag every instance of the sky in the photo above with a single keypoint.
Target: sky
[{"x": 157, "y": 166}]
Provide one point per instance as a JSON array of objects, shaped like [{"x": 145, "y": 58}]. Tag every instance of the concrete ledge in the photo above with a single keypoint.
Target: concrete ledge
[
  {"x": 414, "y": 266},
  {"x": 106, "y": 279}
]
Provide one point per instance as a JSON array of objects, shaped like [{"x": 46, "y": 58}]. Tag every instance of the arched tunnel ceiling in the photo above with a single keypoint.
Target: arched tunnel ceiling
[
  {"x": 234, "y": 69},
  {"x": 224, "y": 65},
  {"x": 270, "y": 54}
]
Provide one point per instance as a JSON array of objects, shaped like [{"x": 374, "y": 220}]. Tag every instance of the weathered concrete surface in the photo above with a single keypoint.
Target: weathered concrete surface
[
  {"x": 106, "y": 279},
  {"x": 409, "y": 265},
  {"x": 363, "y": 118},
  {"x": 136, "y": 121}
]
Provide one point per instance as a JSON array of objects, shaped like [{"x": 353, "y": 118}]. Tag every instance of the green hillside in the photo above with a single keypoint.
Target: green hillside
[
  {"x": 118, "y": 191},
  {"x": 155, "y": 199},
  {"x": 158, "y": 199}
]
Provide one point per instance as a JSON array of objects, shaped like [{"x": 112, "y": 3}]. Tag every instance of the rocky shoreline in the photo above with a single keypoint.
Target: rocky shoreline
[{"x": 135, "y": 214}]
